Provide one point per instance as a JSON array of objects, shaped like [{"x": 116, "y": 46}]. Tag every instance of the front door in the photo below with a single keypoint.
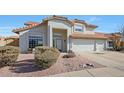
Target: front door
[{"x": 57, "y": 43}]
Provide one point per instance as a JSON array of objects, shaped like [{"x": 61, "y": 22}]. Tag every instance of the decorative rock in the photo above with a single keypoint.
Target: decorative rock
[
  {"x": 90, "y": 64},
  {"x": 82, "y": 65}
]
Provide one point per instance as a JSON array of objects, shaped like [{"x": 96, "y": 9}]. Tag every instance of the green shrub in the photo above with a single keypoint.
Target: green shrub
[
  {"x": 40, "y": 49},
  {"x": 46, "y": 57},
  {"x": 8, "y": 55}
]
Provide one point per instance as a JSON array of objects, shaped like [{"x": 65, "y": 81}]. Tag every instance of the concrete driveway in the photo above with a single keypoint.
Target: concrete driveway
[
  {"x": 107, "y": 58},
  {"x": 113, "y": 62}
]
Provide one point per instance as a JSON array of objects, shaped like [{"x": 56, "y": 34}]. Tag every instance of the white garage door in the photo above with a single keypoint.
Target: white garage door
[
  {"x": 79, "y": 45},
  {"x": 100, "y": 45}
]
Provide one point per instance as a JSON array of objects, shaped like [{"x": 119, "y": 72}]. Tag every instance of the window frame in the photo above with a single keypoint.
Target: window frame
[
  {"x": 35, "y": 37},
  {"x": 76, "y": 28},
  {"x": 110, "y": 43}
]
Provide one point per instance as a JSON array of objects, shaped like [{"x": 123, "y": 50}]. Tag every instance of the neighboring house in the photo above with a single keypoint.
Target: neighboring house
[
  {"x": 2, "y": 42},
  {"x": 12, "y": 41},
  {"x": 9, "y": 41},
  {"x": 110, "y": 42},
  {"x": 62, "y": 33},
  {"x": 122, "y": 38},
  {"x": 115, "y": 39}
]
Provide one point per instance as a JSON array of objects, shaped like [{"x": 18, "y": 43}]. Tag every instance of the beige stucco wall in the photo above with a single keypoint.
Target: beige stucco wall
[
  {"x": 83, "y": 26},
  {"x": 86, "y": 30},
  {"x": 89, "y": 28},
  {"x": 24, "y": 37},
  {"x": 40, "y": 31},
  {"x": 59, "y": 24},
  {"x": 23, "y": 41}
]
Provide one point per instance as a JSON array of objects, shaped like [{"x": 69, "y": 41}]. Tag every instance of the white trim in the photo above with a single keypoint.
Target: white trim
[
  {"x": 82, "y": 25},
  {"x": 57, "y": 34},
  {"x": 38, "y": 35}
]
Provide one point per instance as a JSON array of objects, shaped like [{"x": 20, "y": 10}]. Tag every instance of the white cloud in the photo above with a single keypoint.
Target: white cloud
[
  {"x": 6, "y": 31},
  {"x": 6, "y": 28},
  {"x": 92, "y": 19}
]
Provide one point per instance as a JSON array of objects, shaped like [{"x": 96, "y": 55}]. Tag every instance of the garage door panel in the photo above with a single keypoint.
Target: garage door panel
[
  {"x": 82, "y": 45},
  {"x": 100, "y": 45}
]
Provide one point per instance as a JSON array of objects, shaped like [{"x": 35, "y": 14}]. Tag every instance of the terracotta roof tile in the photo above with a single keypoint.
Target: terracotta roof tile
[
  {"x": 80, "y": 35},
  {"x": 24, "y": 28},
  {"x": 83, "y": 22},
  {"x": 58, "y": 17},
  {"x": 31, "y": 23},
  {"x": 13, "y": 37}
]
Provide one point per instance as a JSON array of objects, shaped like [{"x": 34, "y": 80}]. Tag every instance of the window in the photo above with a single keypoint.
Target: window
[
  {"x": 35, "y": 41},
  {"x": 110, "y": 43},
  {"x": 79, "y": 28}
]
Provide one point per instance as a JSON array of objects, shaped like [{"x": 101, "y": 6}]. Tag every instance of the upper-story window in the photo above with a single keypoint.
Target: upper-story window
[{"x": 79, "y": 28}]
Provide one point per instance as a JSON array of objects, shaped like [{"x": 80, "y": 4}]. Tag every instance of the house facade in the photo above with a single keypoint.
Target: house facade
[{"x": 62, "y": 33}]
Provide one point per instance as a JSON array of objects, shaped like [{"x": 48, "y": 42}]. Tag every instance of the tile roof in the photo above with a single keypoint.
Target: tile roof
[
  {"x": 24, "y": 28},
  {"x": 83, "y": 22},
  {"x": 58, "y": 17},
  {"x": 13, "y": 37},
  {"x": 31, "y": 24},
  {"x": 79, "y": 35}
]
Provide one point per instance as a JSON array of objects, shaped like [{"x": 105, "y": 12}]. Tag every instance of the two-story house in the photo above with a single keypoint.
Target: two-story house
[{"x": 62, "y": 33}]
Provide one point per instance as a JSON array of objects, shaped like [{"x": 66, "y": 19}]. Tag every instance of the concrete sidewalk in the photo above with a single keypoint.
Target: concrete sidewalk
[{"x": 98, "y": 72}]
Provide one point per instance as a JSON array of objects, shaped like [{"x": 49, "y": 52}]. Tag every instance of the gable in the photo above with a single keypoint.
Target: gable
[
  {"x": 41, "y": 29},
  {"x": 56, "y": 23}
]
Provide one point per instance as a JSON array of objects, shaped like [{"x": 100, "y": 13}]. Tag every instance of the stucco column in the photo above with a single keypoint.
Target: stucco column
[
  {"x": 50, "y": 36},
  {"x": 106, "y": 44},
  {"x": 68, "y": 41}
]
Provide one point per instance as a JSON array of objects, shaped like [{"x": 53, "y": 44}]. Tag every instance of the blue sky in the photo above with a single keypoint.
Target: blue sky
[{"x": 106, "y": 24}]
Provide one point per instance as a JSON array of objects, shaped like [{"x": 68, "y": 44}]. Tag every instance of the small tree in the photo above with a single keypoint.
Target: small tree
[
  {"x": 121, "y": 30},
  {"x": 116, "y": 42},
  {"x": 122, "y": 36}
]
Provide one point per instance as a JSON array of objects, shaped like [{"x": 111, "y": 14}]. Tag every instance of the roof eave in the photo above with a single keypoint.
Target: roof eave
[
  {"x": 81, "y": 37},
  {"x": 59, "y": 18}
]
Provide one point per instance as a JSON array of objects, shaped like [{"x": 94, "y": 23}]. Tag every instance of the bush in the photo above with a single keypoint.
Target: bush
[
  {"x": 8, "y": 55},
  {"x": 41, "y": 49},
  {"x": 70, "y": 54},
  {"x": 45, "y": 56}
]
